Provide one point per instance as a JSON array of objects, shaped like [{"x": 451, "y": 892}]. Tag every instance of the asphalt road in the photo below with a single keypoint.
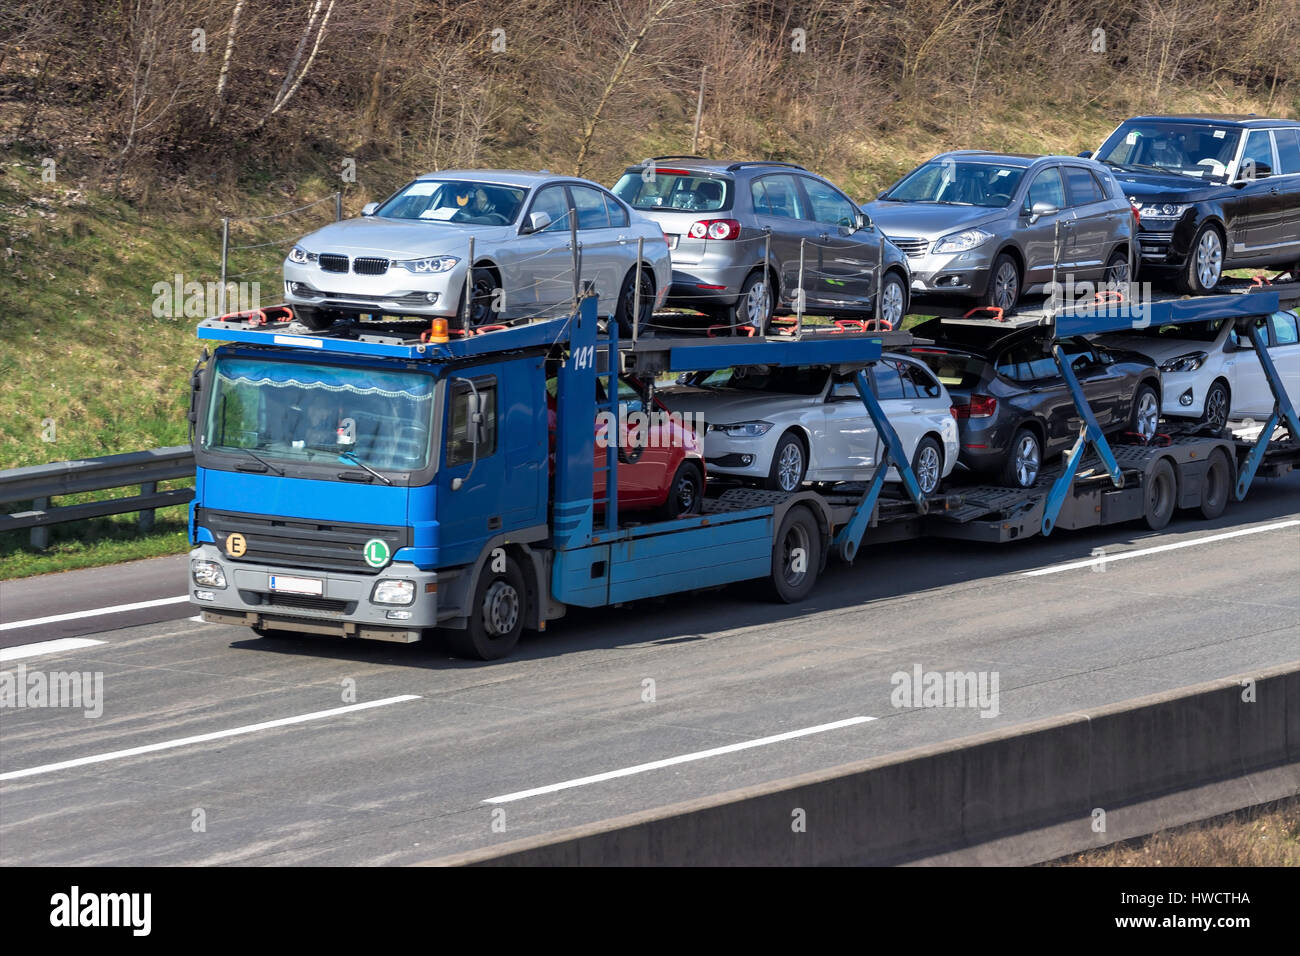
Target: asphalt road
[{"x": 408, "y": 779}]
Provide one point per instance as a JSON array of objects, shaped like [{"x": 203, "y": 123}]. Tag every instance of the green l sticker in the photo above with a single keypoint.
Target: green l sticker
[{"x": 376, "y": 552}]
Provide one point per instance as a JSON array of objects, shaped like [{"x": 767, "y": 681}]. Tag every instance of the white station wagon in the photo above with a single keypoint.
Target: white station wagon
[{"x": 783, "y": 426}]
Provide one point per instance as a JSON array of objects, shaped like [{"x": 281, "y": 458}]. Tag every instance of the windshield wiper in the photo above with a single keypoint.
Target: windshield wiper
[
  {"x": 257, "y": 457},
  {"x": 351, "y": 456}
]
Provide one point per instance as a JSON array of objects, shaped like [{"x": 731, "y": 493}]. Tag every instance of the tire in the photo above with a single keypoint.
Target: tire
[
  {"x": 1216, "y": 487},
  {"x": 685, "y": 494},
  {"x": 927, "y": 464},
  {"x": 317, "y": 320},
  {"x": 1160, "y": 495},
  {"x": 1144, "y": 419},
  {"x": 496, "y": 615},
  {"x": 1003, "y": 290},
  {"x": 893, "y": 300},
  {"x": 481, "y": 312},
  {"x": 789, "y": 464},
  {"x": 1217, "y": 404},
  {"x": 1116, "y": 275},
  {"x": 755, "y": 307},
  {"x": 1024, "y": 460},
  {"x": 794, "y": 574},
  {"x": 1204, "y": 266},
  {"x": 627, "y": 303}
]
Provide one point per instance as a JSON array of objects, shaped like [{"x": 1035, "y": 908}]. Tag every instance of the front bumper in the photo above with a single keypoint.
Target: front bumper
[
  {"x": 344, "y": 608},
  {"x": 1182, "y": 396},
  {"x": 396, "y": 292},
  {"x": 958, "y": 273}
]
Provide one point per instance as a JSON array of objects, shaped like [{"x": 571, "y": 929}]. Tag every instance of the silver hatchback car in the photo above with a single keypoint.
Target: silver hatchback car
[
  {"x": 724, "y": 220},
  {"x": 988, "y": 227},
  {"x": 407, "y": 256}
]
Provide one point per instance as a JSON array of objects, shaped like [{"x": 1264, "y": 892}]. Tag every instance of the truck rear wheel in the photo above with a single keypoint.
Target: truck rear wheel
[
  {"x": 796, "y": 556},
  {"x": 1161, "y": 493},
  {"x": 496, "y": 616},
  {"x": 1216, "y": 487}
]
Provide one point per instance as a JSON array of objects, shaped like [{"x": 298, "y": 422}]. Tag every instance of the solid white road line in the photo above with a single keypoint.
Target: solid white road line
[
  {"x": 684, "y": 758},
  {"x": 1142, "y": 552},
  {"x": 203, "y": 738},
  {"x": 46, "y": 647},
  {"x": 94, "y": 612}
]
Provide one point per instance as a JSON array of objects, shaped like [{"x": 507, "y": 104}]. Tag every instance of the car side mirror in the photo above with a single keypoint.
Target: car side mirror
[
  {"x": 1258, "y": 171},
  {"x": 538, "y": 221},
  {"x": 863, "y": 221},
  {"x": 369, "y": 208},
  {"x": 1040, "y": 209},
  {"x": 1086, "y": 154}
]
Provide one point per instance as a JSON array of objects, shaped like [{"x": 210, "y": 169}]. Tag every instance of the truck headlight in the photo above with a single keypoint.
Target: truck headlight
[
  {"x": 394, "y": 592},
  {"x": 1189, "y": 362},
  {"x": 430, "y": 264},
  {"x": 207, "y": 574},
  {"x": 743, "y": 429},
  {"x": 963, "y": 241}
]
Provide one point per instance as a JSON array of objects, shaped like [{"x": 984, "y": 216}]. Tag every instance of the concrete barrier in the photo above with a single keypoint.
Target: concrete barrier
[{"x": 935, "y": 800}]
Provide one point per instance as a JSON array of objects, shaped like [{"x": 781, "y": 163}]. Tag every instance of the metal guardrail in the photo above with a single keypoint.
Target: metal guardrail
[{"x": 39, "y": 483}]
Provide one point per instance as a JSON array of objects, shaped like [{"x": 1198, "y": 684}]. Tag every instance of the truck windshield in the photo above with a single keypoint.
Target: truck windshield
[{"x": 307, "y": 413}]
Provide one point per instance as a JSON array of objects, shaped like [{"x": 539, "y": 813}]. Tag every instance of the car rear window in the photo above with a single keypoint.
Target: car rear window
[
  {"x": 1288, "y": 150},
  {"x": 1083, "y": 187},
  {"x": 953, "y": 369},
  {"x": 674, "y": 190}
]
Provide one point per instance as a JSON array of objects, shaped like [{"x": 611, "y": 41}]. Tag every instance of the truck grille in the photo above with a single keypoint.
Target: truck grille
[
  {"x": 914, "y": 248},
  {"x": 329, "y": 262},
  {"x": 300, "y": 602},
  {"x": 368, "y": 266},
  {"x": 309, "y": 545}
]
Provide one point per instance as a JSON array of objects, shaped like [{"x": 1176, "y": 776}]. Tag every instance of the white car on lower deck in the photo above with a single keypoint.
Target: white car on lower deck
[
  {"x": 784, "y": 426},
  {"x": 1210, "y": 373}
]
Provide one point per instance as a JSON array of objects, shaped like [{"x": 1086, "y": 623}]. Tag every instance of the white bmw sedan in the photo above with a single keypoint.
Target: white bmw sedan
[
  {"x": 1210, "y": 373},
  {"x": 783, "y": 426},
  {"x": 407, "y": 256}
]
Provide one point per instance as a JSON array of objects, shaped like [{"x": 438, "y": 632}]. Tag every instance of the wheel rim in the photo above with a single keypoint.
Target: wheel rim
[
  {"x": 891, "y": 304},
  {"x": 1216, "y": 408},
  {"x": 500, "y": 609},
  {"x": 685, "y": 493},
  {"x": 1027, "y": 461},
  {"x": 927, "y": 469},
  {"x": 790, "y": 467},
  {"x": 480, "y": 309},
  {"x": 1006, "y": 286},
  {"x": 1209, "y": 259},
  {"x": 1147, "y": 416},
  {"x": 1117, "y": 274},
  {"x": 757, "y": 305},
  {"x": 796, "y": 539}
]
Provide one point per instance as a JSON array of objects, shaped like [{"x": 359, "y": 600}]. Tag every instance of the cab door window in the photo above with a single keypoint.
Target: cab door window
[{"x": 460, "y": 446}]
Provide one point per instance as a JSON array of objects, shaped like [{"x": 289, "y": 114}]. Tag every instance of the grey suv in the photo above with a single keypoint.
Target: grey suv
[
  {"x": 983, "y": 226},
  {"x": 722, "y": 218}
]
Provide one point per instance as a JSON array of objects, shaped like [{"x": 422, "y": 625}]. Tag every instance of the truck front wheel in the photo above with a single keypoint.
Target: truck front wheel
[{"x": 496, "y": 617}]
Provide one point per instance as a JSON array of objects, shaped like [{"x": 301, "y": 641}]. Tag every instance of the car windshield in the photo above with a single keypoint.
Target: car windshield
[
  {"x": 954, "y": 369},
  {"x": 1202, "y": 151},
  {"x": 670, "y": 190},
  {"x": 456, "y": 201},
  {"x": 787, "y": 380},
  {"x": 305, "y": 413},
  {"x": 958, "y": 184}
]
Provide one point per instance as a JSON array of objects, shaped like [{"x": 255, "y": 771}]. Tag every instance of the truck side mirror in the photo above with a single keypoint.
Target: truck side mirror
[{"x": 474, "y": 428}]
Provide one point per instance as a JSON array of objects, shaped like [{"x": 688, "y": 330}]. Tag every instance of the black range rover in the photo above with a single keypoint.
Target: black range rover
[{"x": 1214, "y": 193}]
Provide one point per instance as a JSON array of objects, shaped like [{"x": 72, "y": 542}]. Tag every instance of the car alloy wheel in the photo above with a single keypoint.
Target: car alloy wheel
[
  {"x": 927, "y": 469},
  {"x": 891, "y": 302},
  {"x": 789, "y": 468},
  {"x": 1216, "y": 407},
  {"x": 1209, "y": 259},
  {"x": 1006, "y": 286},
  {"x": 1147, "y": 415},
  {"x": 758, "y": 305},
  {"x": 1028, "y": 460},
  {"x": 1117, "y": 276}
]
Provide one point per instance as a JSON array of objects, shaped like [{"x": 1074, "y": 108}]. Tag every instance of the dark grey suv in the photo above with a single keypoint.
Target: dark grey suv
[{"x": 722, "y": 219}]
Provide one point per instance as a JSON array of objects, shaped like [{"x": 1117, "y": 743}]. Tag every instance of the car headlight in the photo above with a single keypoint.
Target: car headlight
[
  {"x": 300, "y": 255},
  {"x": 429, "y": 264},
  {"x": 1161, "y": 210},
  {"x": 207, "y": 574},
  {"x": 1184, "y": 363},
  {"x": 743, "y": 429},
  {"x": 963, "y": 241},
  {"x": 394, "y": 592}
]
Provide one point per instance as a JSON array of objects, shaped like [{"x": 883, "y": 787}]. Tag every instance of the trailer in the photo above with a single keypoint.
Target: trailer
[{"x": 480, "y": 536}]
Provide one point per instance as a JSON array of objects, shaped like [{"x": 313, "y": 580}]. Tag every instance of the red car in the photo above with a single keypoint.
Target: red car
[{"x": 660, "y": 463}]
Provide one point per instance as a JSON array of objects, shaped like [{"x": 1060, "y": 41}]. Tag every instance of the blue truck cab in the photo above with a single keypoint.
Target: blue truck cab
[{"x": 391, "y": 488}]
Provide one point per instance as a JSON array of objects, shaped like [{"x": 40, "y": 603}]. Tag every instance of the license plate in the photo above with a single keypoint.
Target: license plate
[
  {"x": 313, "y": 586},
  {"x": 672, "y": 240}
]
